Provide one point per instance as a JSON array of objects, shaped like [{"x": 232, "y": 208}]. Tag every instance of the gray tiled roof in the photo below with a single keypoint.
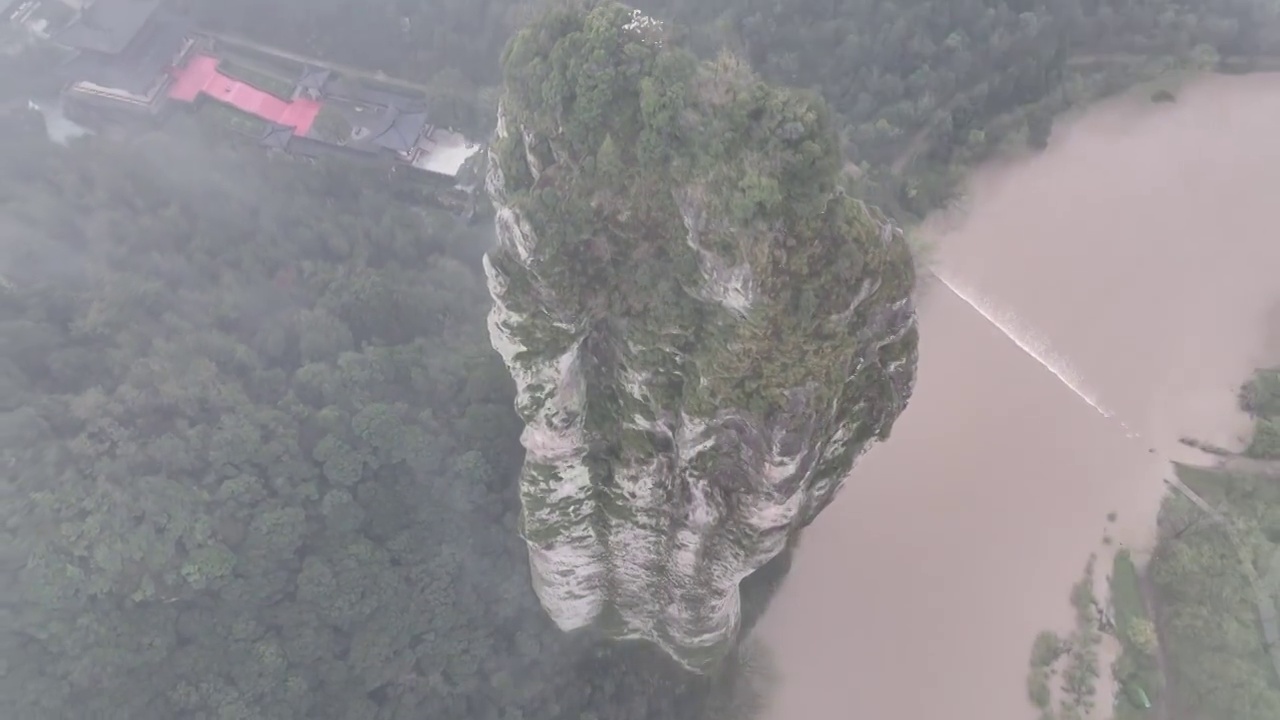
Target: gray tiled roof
[
  {"x": 277, "y": 136},
  {"x": 108, "y": 26},
  {"x": 136, "y": 69},
  {"x": 314, "y": 78},
  {"x": 395, "y": 130}
]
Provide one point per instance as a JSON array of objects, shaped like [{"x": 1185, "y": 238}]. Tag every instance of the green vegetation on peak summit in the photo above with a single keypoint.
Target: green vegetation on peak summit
[
  {"x": 633, "y": 140},
  {"x": 705, "y": 330}
]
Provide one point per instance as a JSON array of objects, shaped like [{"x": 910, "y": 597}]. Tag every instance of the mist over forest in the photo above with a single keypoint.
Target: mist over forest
[{"x": 258, "y": 456}]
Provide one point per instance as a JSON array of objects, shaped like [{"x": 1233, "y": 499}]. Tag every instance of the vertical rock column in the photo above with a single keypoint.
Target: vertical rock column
[{"x": 704, "y": 331}]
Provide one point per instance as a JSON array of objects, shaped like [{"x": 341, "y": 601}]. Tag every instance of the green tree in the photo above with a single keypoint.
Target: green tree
[
  {"x": 261, "y": 455},
  {"x": 609, "y": 162}
]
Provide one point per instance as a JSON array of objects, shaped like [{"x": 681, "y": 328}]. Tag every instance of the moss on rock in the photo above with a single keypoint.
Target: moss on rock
[{"x": 705, "y": 330}]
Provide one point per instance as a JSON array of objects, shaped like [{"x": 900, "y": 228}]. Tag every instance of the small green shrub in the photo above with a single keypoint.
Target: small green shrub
[
  {"x": 1266, "y": 439},
  {"x": 1038, "y": 688},
  {"x": 1261, "y": 395},
  {"x": 1046, "y": 649}
]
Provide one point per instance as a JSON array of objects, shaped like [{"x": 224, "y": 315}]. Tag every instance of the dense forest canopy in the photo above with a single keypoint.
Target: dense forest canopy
[{"x": 259, "y": 454}]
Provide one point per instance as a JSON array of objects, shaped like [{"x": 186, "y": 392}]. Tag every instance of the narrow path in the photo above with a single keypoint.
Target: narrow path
[
  {"x": 1147, "y": 588},
  {"x": 1096, "y": 58},
  {"x": 920, "y": 140},
  {"x": 1118, "y": 57},
  {"x": 1252, "y": 466},
  {"x": 317, "y": 62}
]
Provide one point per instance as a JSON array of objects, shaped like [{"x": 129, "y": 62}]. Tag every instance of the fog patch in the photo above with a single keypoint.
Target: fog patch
[{"x": 60, "y": 128}]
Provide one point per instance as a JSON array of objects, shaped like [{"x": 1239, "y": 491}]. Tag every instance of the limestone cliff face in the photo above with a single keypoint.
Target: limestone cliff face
[{"x": 704, "y": 331}]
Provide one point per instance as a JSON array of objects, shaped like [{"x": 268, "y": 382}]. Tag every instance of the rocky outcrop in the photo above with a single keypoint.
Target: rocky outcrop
[{"x": 704, "y": 331}]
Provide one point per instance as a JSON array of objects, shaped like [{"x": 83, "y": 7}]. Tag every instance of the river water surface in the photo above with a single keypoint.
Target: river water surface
[{"x": 1144, "y": 247}]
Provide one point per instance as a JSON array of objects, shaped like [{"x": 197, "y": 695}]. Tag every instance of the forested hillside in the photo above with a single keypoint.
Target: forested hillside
[
  {"x": 923, "y": 87},
  {"x": 259, "y": 456}
]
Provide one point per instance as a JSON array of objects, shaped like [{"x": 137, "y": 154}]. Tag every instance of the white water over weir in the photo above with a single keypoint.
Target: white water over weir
[{"x": 1039, "y": 349}]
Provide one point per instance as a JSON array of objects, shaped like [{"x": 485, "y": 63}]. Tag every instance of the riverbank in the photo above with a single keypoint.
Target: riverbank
[
  {"x": 1099, "y": 253},
  {"x": 1207, "y": 594},
  {"x": 1028, "y": 129},
  {"x": 1215, "y": 576},
  {"x": 1138, "y": 671}
]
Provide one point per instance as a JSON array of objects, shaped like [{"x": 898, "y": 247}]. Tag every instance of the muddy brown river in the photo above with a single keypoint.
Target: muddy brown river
[{"x": 1139, "y": 254}]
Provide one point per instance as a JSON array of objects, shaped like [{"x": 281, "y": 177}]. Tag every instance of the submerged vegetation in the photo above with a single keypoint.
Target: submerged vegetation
[{"x": 1062, "y": 680}]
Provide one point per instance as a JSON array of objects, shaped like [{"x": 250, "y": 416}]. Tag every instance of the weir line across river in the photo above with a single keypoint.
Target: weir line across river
[
  {"x": 1034, "y": 347},
  {"x": 1268, "y": 616},
  {"x": 1101, "y": 246}
]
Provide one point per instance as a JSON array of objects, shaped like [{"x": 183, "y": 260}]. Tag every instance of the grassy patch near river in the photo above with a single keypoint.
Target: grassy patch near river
[
  {"x": 1137, "y": 670},
  {"x": 1064, "y": 671}
]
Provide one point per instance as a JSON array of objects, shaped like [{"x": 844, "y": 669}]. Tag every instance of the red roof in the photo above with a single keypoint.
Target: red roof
[{"x": 201, "y": 75}]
